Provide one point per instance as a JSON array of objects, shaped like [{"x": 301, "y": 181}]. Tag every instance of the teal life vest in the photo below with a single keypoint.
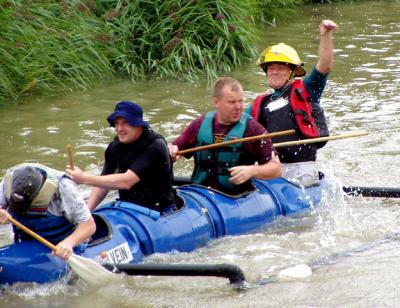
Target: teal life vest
[{"x": 214, "y": 163}]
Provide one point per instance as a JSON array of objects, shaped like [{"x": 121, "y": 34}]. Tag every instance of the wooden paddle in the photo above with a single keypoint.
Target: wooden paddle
[
  {"x": 276, "y": 145},
  {"x": 85, "y": 268},
  {"x": 247, "y": 139},
  {"x": 384, "y": 192},
  {"x": 70, "y": 161},
  {"x": 321, "y": 139}
]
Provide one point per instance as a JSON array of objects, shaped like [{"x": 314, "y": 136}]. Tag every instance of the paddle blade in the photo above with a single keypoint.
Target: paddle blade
[{"x": 90, "y": 271}]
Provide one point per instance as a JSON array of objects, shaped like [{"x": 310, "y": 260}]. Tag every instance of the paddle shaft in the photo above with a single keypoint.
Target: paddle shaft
[
  {"x": 240, "y": 140},
  {"x": 70, "y": 161},
  {"x": 276, "y": 145},
  {"x": 320, "y": 139},
  {"x": 31, "y": 233}
]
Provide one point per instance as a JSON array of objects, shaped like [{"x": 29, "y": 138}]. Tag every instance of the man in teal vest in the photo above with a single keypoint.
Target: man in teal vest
[
  {"x": 49, "y": 203},
  {"x": 295, "y": 104},
  {"x": 230, "y": 168}
]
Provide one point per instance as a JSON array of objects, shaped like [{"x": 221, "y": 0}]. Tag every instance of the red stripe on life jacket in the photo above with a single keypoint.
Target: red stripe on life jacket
[{"x": 300, "y": 103}]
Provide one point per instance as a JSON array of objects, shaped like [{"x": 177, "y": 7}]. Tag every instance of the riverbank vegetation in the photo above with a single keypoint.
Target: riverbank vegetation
[{"x": 49, "y": 45}]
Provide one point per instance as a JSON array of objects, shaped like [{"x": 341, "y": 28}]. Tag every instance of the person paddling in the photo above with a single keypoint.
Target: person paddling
[
  {"x": 48, "y": 202},
  {"x": 137, "y": 164},
  {"x": 230, "y": 168},
  {"x": 295, "y": 104}
]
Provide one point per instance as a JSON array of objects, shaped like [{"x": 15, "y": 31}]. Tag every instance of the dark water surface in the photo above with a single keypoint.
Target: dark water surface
[{"x": 362, "y": 94}]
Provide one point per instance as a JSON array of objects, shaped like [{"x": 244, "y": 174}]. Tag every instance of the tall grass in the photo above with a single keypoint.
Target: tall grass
[
  {"x": 46, "y": 45},
  {"x": 183, "y": 38}
]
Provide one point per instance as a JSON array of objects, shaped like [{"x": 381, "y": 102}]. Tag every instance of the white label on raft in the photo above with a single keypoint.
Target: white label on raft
[{"x": 119, "y": 254}]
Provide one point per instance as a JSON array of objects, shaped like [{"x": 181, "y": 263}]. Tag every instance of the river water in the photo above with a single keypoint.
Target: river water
[{"x": 352, "y": 244}]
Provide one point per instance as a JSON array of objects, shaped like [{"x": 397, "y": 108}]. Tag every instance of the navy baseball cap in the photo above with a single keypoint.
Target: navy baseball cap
[{"x": 130, "y": 111}]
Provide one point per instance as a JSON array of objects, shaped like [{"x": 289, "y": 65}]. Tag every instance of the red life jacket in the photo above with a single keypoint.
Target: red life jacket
[{"x": 300, "y": 103}]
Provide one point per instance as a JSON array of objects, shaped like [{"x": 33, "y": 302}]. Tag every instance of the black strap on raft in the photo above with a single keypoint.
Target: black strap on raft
[
  {"x": 384, "y": 192},
  {"x": 181, "y": 180},
  {"x": 233, "y": 272}
]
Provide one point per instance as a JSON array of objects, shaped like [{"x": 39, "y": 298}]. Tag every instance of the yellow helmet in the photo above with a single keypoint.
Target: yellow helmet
[{"x": 285, "y": 54}]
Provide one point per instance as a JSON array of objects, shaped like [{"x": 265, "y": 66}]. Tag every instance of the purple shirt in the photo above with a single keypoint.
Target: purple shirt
[{"x": 261, "y": 150}]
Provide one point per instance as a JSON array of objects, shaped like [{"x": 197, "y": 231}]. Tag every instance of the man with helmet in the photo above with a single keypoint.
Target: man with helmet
[
  {"x": 49, "y": 203},
  {"x": 295, "y": 104}
]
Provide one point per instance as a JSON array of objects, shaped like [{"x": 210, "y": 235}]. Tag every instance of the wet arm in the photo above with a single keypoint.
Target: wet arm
[
  {"x": 268, "y": 166},
  {"x": 173, "y": 151},
  {"x": 96, "y": 196},
  {"x": 269, "y": 170},
  {"x": 186, "y": 140},
  {"x": 110, "y": 181},
  {"x": 82, "y": 233},
  {"x": 71, "y": 205},
  {"x": 325, "y": 51},
  {"x": 3, "y": 216}
]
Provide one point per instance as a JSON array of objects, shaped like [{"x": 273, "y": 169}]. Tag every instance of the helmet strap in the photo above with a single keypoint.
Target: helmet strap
[{"x": 291, "y": 75}]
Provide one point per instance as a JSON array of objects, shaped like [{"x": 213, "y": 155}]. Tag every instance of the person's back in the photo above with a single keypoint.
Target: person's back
[{"x": 49, "y": 203}]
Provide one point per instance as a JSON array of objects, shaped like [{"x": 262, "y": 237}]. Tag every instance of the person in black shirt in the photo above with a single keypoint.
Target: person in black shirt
[{"x": 137, "y": 163}]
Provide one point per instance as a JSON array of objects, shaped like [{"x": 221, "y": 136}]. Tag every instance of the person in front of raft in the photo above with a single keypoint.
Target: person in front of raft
[
  {"x": 137, "y": 164},
  {"x": 230, "y": 168},
  {"x": 295, "y": 104},
  {"x": 48, "y": 202}
]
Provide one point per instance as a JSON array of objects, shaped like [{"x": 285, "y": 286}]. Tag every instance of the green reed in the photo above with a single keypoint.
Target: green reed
[
  {"x": 183, "y": 38},
  {"x": 49, "y": 45}
]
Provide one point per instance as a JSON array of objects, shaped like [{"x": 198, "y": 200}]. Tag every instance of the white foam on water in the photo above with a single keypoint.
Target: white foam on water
[{"x": 300, "y": 271}]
